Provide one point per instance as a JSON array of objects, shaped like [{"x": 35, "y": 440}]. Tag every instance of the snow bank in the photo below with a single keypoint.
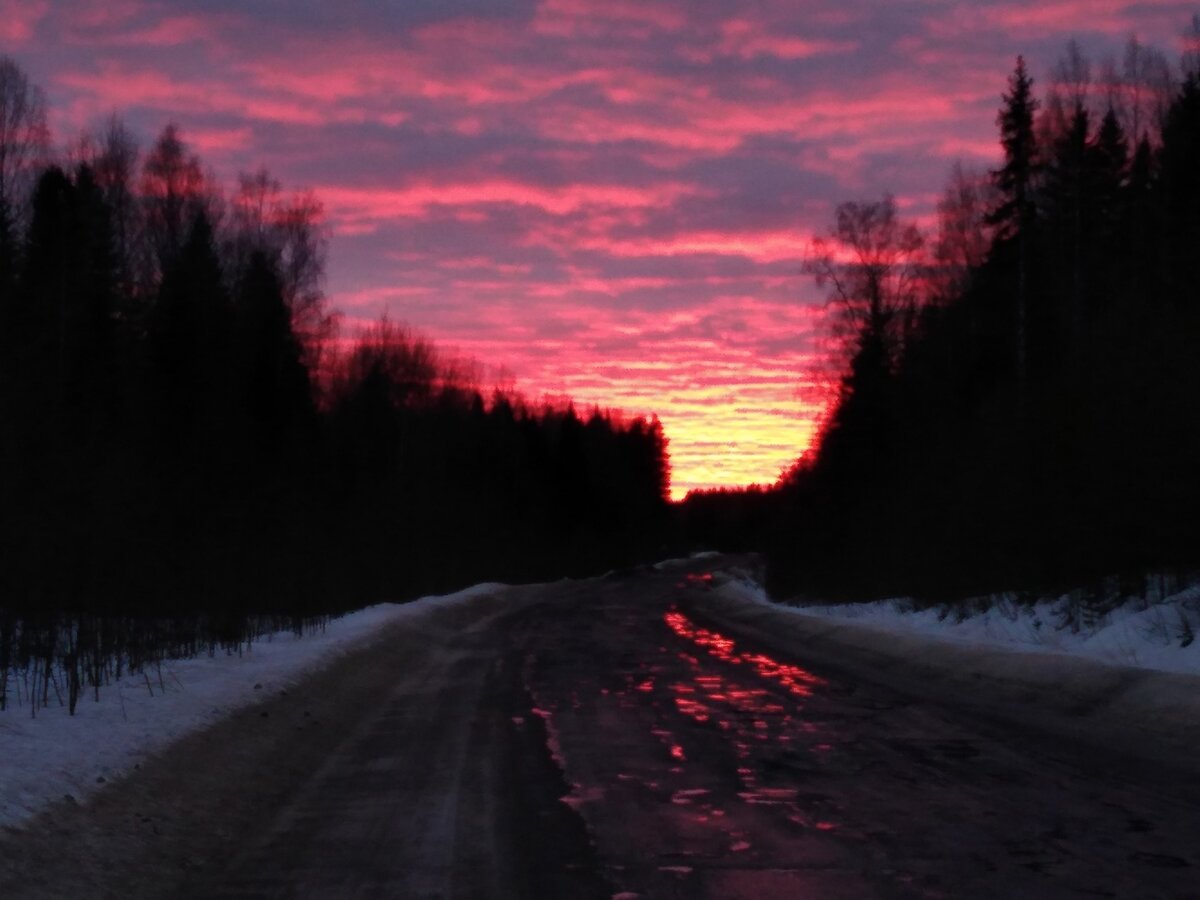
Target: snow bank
[
  {"x": 681, "y": 562},
  {"x": 50, "y": 755},
  {"x": 1163, "y": 635},
  {"x": 1123, "y": 687}
]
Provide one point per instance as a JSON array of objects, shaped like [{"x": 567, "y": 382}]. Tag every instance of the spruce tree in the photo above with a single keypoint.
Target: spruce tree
[{"x": 1015, "y": 216}]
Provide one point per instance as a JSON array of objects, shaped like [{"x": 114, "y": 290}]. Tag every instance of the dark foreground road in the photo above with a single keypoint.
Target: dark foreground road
[{"x": 601, "y": 739}]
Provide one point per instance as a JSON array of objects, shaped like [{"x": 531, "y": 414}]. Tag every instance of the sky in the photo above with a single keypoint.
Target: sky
[{"x": 607, "y": 199}]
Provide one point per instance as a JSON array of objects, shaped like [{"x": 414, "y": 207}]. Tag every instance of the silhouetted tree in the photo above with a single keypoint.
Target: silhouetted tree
[
  {"x": 1140, "y": 91},
  {"x": 275, "y": 383},
  {"x": 173, "y": 194},
  {"x": 23, "y": 135},
  {"x": 181, "y": 468},
  {"x": 1015, "y": 215},
  {"x": 287, "y": 232},
  {"x": 1179, "y": 179},
  {"x": 969, "y": 467},
  {"x": 115, "y": 167},
  {"x": 871, "y": 263},
  {"x": 963, "y": 235},
  {"x": 189, "y": 328}
]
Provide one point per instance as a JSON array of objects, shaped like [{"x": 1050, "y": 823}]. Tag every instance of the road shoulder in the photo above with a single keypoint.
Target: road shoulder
[
  {"x": 196, "y": 803},
  {"x": 1129, "y": 716}
]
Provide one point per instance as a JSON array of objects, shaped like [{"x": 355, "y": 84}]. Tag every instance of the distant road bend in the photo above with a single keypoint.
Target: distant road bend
[{"x": 612, "y": 739}]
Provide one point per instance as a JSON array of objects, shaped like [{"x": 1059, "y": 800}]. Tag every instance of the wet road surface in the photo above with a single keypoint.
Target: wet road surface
[{"x": 604, "y": 742}]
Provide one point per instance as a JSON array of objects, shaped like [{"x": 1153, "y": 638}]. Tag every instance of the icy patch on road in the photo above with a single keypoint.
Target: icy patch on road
[
  {"x": 56, "y": 755},
  {"x": 1150, "y": 633}
]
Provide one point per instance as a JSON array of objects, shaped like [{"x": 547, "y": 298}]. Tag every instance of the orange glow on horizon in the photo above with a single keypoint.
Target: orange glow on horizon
[{"x": 727, "y": 423}]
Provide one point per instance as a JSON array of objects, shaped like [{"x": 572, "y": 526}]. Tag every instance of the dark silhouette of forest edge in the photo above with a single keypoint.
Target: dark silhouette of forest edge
[
  {"x": 192, "y": 459},
  {"x": 1018, "y": 406}
]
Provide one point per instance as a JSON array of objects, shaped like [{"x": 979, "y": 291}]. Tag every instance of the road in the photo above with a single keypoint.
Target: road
[
  {"x": 603, "y": 739},
  {"x": 604, "y": 743}
]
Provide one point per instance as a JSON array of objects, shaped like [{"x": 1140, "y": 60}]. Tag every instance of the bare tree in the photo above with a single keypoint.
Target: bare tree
[
  {"x": 963, "y": 237},
  {"x": 1069, "y": 99},
  {"x": 23, "y": 135},
  {"x": 1139, "y": 90},
  {"x": 389, "y": 364},
  {"x": 172, "y": 191},
  {"x": 252, "y": 215},
  {"x": 1073, "y": 75},
  {"x": 289, "y": 234},
  {"x": 1189, "y": 64},
  {"x": 114, "y": 166},
  {"x": 872, "y": 264}
]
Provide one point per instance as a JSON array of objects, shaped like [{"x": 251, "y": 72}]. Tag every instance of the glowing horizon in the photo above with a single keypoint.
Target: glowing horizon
[{"x": 608, "y": 201}]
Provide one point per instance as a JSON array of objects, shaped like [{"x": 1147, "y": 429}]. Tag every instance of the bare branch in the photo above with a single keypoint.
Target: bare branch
[{"x": 871, "y": 261}]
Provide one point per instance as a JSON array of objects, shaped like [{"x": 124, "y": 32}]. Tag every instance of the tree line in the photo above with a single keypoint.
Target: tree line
[
  {"x": 1019, "y": 398},
  {"x": 189, "y": 452}
]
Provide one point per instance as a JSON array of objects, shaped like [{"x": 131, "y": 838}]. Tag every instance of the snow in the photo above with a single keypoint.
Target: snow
[
  {"x": 1127, "y": 683},
  {"x": 52, "y": 754},
  {"x": 679, "y": 562},
  {"x": 1147, "y": 633}
]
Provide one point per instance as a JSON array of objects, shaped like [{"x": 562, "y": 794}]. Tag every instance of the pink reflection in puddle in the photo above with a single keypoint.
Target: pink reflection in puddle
[
  {"x": 688, "y": 795},
  {"x": 755, "y": 718},
  {"x": 769, "y": 795},
  {"x": 676, "y": 870},
  {"x": 794, "y": 679}
]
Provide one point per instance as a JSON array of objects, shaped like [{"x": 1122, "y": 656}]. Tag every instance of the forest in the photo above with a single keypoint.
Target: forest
[
  {"x": 1018, "y": 396},
  {"x": 193, "y": 455}
]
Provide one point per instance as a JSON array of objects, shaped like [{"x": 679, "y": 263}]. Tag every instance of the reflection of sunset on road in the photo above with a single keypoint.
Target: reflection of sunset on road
[
  {"x": 792, "y": 678},
  {"x": 759, "y": 721},
  {"x": 606, "y": 200}
]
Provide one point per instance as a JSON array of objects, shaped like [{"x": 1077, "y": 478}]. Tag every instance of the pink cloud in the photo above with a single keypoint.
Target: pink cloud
[
  {"x": 759, "y": 246},
  {"x": 582, "y": 194},
  {"x": 219, "y": 140},
  {"x": 19, "y": 18},
  {"x": 1029, "y": 19},
  {"x": 359, "y": 204},
  {"x": 108, "y": 14},
  {"x": 168, "y": 32},
  {"x": 118, "y": 87},
  {"x": 572, "y": 18},
  {"x": 747, "y": 39},
  {"x": 1061, "y": 15}
]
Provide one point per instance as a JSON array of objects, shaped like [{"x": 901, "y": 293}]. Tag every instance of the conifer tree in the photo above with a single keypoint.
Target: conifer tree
[
  {"x": 1179, "y": 186},
  {"x": 1015, "y": 216}
]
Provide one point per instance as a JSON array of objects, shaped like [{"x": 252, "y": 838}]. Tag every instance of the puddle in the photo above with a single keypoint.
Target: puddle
[
  {"x": 759, "y": 710},
  {"x": 677, "y": 870}
]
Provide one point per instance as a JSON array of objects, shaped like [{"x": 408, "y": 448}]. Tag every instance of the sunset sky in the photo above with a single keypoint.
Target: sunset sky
[{"x": 604, "y": 198}]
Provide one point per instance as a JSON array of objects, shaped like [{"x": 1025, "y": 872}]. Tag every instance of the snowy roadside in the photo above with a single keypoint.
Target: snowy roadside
[
  {"x": 53, "y": 755},
  {"x": 1080, "y": 689},
  {"x": 1158, "y": 634}
]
